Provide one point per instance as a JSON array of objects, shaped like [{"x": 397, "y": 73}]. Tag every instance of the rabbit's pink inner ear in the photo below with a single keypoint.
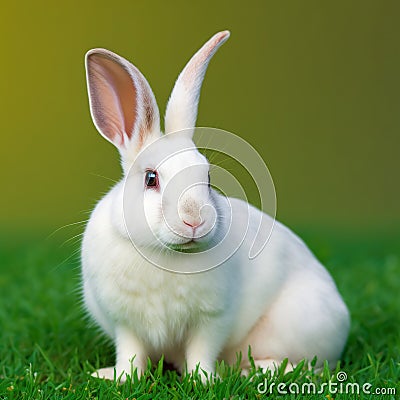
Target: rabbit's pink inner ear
[{"x": 113, "y": 98}]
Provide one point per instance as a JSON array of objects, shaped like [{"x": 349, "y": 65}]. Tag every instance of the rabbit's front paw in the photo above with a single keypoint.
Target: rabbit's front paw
[
  {"x": 111, "y": 374},
  {"x": 205, "y": 375},
  {"x": 105, "y": 373}
]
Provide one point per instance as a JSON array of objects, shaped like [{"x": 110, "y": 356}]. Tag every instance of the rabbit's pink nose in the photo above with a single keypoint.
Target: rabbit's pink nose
[{"x": 193, "y": 224}]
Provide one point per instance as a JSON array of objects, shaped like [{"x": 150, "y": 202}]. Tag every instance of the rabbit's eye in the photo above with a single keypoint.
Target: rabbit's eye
[
  {"x": 151, "y": 179},
  {"x": 209, "y": 180}
]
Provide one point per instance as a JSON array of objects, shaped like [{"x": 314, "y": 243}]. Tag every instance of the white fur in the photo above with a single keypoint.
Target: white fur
[{"x": 283, "y": 303}]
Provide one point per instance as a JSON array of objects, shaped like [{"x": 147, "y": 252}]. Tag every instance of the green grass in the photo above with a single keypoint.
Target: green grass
[{"x": 48, "y": 348}]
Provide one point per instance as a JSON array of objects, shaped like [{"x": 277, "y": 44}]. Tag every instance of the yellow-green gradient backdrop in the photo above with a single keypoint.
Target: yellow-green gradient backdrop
[{"x": 314, "y": 86}]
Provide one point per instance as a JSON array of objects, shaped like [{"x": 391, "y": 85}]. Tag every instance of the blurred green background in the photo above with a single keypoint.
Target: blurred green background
[{"x": 314, "y": 86}]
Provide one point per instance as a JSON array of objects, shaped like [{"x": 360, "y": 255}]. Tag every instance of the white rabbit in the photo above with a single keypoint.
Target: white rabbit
[{"x": 282, "y": 303}]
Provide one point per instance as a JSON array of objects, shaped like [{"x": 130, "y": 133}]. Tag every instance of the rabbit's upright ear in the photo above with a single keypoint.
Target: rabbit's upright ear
[
  {"x": 122, "y": 105},
  {"x": 182, "y": 106}
]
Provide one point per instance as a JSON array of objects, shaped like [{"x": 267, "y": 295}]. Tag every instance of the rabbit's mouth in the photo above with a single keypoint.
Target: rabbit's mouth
[{"x": 192, "y": 246}]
